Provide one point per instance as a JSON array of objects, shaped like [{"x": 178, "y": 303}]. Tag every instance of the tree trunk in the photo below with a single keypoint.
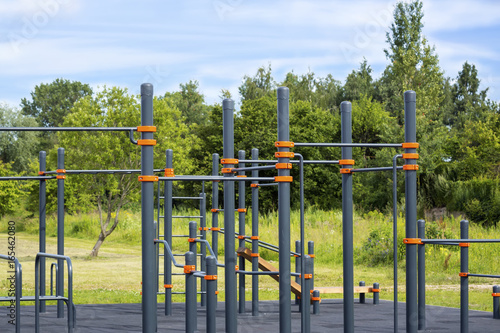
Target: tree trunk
[{"x": 97, "y": 246}]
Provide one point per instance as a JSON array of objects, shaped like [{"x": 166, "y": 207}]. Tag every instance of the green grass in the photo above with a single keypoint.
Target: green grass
[{"x": 115, "y": 276}]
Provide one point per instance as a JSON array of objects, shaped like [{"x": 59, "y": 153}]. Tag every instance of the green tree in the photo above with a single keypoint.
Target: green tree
[
  {"x": 20, "y": 148},
  {"x": 190, "y": 102},
  {"x": 114, "y": 107},
  {"x": 10, "y": 191},
  {"x": 258, "y": 86},
  {"x": 358, "y": 83}
]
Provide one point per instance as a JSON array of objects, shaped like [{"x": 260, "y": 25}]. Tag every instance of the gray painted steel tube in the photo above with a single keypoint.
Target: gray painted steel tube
[
  {"x": 190, "y": 315},
  {"x": 60, "y": 233},
  {"x": 42, "y": 201},
  {"x": 316, "y": 295},
  {"x": 285, "y": 306},
  {"x": 167, "y": 229},
  {"x": 411, "y": 215},
  {"x": 464, "y": 280},
  {"x": 241, "y": 232},
  {"x": 496, "y": 303},
  {"x": 421, "y": 276},
  {"x": 310, "y": 252},
  {"x": 211, "y": 297},
  {"x": 229, "y": 243},
  {"x": 215, "y": 214},
  {"x": 347, "y": 215},
  {"x": 306, "y": 297},
  {"x": 395, "y": 236},
  {"x": 298, "y": 268},
  {"x": 203, "y": 246},
  {"x": 376, "y": 294},
  {"x": 149, "y": 303},
  {"x": 362, "y": 296},
  {"x": 255, "y": 233},
  {"x": 349, "y": 144}
]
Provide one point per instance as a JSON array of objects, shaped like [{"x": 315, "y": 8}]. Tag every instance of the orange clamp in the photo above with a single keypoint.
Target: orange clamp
[
  {"x": 409, "y": 145},
  {"x": 60, "y": 177},
  {"x": 495, "y": 294},
  {"x": 315, "y": 298},
  {"x": 227, "y": 170},
  {"x": 214, "y": 210},
  {"x": 191, "y": 240},
  {"x": 254, "y": 237},
  {"x": 216, "y": 292},
  {"x": 284, "y": 154},
  {"x": 236, "y": 267},
  {"x": 241, "y": 237},
  {"x": 284, "y": 144},
  {"x": 61, "y": 170},
  {"x": 215, "y": 229},
  {"x": 169, "y": 172},
  {"x": 229, "y": 161},
  {"x": 283, "y": 179},
  {"x": 168, "y": 286},
  {"x": 254, "y": 185},
  {"x": 411, "y": 156},
  {"x": 254, "y": 255},
  {"x": 283, "y": 166},
  {"x": 463, "y": 274},
  {"x": 148, "y": 178},
  {"x": 464, "y": 244},
  {"x": 375, "y": 290},
  {"x": 150, "y": 129},
  {"x": 241, "y": 176},
  {"x": 307, "y": 276},
  {"x": 41, "y": 173},
  {"x": 345, "y": 170},
  {"x": 296, "y": 255},
  {"x": 412, "y": 241},
  {"x": 146, "y": 142},
  {"x": 312, "y": 256},
  {"x": 210, "y": 277},
  {"x": 242, "y": 210},
  {"x": 410, "y": 167},
  {"x": 346, "y": 162},
  {"x": 189, "y": 269},
  {"x": 203, "y": 228}
]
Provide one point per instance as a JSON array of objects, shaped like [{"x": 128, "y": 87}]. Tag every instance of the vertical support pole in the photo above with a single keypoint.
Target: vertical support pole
[
  {"x": 60, "y": 231},
  {"x": 241, "y": 230},
  {"x": 192, "y": 239},
  {"x": 203, "y": 247},
  {"x": 215, "y": 213},
  {"x": 421, "y": 276},
  {"x": 310, "y": 251},
  {"x": 362, "y": 296},
  {"x": 395, "y": 237},
  {"x": 42, "y": 201},
  {"x": 211, "y": 297},
  {"x": 316, "y": 301},
  {"x": 285, "y": 306},
  {"x": 347, "y": 232},
  {"x": 464, "y": 278},
  {"x": 191, "y": 320},
  {"x": 149, "y": 304},
  {"x": 255, "y": 236},
  {"x": 229, "y": 244},
  {"x": 376, "y": 294},
  {"x": 167, "y": 230},
  {"x": 411, "y": 214},
  {"x": 297, "y": 270},
  {"x": 306, "y": 295},
  {"x": 496, "y": 302}
]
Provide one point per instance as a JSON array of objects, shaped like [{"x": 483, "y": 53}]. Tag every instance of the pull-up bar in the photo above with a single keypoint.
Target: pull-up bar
[
  {"x": 347, "y": 145},
  {"x": 67, "y": 129}
]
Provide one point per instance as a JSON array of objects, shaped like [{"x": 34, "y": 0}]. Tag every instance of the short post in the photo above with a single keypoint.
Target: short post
[
  {"x": 305, "y": 300},
  {"x": 189, "y": 269},
  {"x": 421, "y": 275},
  {"x": 376, "y": 293},
  {"x": 192, "y": 239},
  {"x": 464, "y": 277},
  {"x": 211, "y": 278},
  {"x": 316, "y": 300},
  {"x": 362, "y": 296},
  {"x": 496, "y": 302},
  {"x": 297, "y": 270}
]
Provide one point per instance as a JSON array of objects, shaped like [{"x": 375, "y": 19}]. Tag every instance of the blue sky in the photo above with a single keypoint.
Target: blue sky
[{"x": 217, "y": 42}]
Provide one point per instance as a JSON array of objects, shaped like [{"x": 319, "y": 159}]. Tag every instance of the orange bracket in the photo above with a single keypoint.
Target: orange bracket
[
  {"x": 312, "y": 256},
  {"x": 375, "y": 290},
  {"x": 254, "y": 254},
  {"x": 410, "y": 167},
  {"x": 168, "y": 286},
  {"x": 463, "y": 274},
  {"x": 227, "y": 170},
  {"x": 146, "y": 142},
  {"x": 203, "y": 228},
  {"x": 411, "y": 156},
  {"x": 307, "y": 276},
  {"x": 241, "y": 237},
  {"x": 284, "y": 144},
  {"x": 169, "y": 172},
  {"x": 283, "y": 179},
  {"x": 242, "y": 210},
  {"x": 283, "y": 166},
  {"x": 345, "y": 170},
  {"x": 60, "y": 177},
  {"x": 215, "y": 229},
  {"x": 284, "y": 154},
  {"x": 61, "y": 170},
  {"x": 254, "y": 237},
  {"x": 495, "y": 294},
  {"x": 210, "y": 277},
  {"x": 412, "y": 241},
  {"x": 236, "y": 268},
  {"x": 315, "y": 298},
  {"x": 216, "y": 292},
  {"x": 229, "y": 161},
  {"x": 214, "y": 210},
  {"x": 254, "y": 185},
  {"x": 409, "y": 145},
  {"x": 346, "y": 162},
  {"x": 191, "y": 240},
  {"x": 41, "y": 173},
  {"x": 149, "y": 129},
  {"x": 464, "y": 244},
  {"x": 189, "y": 269},
  {"x": 241, "y": 176},
  {"x": 148, "y": 178},
  {"x": 296, "y": 256}
]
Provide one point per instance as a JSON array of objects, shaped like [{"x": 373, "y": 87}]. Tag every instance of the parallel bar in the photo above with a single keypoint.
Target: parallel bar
[
  {"x": 266, "y": 167},
  {"x": 377, "y": 169},
  {"x": 26, "y": 178},
  {"x": 92, "y": 172},
  {"x": 215, "y": 178},
  {"x": 253, "y": 160},
  {"x": 344, "y": 144},
  {"x": 187, "y": 198},
  {"x": 462, "y": 240},
  {"x": 485, "y": 275}
]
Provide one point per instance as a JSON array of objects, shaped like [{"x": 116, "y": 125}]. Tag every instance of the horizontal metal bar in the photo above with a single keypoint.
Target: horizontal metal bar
[
  {"x": 292, "y": 161},
  {"x": 485, "y": 275},
  {"x": 110, "y": 172},
  {"x": 67, "y": 129},
  {"x": 186, "y": 217},
  {"x": 266, "y": 167},
  {"x": 178, "y": 274},
  {"x": 188, "y": 198},
  {"x": 180, "y": 235},
  {"x": 178, "y": 292},
  {"x": 268, "y": 184},
  {"x": 363, "y": 145},
  {"x": 466, "y": 240},
  {"x": 26, "y": 178},
  {"x": 376, "y": 169},
  {"x": 214, "y": 178}
]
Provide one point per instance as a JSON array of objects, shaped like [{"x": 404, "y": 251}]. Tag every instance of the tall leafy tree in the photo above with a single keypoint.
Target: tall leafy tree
[
  {"x": 359, "y": 83},
  {"x": 261, "y": 84},
  {"x": 10, "y": 191},
  {"x": 190, "y": 102}
]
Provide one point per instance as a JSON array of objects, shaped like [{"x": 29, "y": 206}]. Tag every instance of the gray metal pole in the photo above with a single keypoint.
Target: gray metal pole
[
  {"x": 229, "y": 244},
  {"x": 211, "y": 297},
  {"x": 255, "y": 236},
  {"x": 167, "y": 229},
  {"x": 376, "y": 293},
  {"x": 215, "y": 213},
  {"x": 60, "y": 230},
  {"x": 285, "y": 306},
  {"x": 241, "y": 231},
  {"x": 464, "y": 279},
  {"x": 203, "y": 247},
  {"x": 149, "y": 304},
  {"x": 298, "y": 258},
  {"x": 421, "y": 276},
  {"x": 189, "y": 268},
  {"x": 411, "y": 214},
  {"x": 310, "y": 252},
  {"x": 395, "y": 236},
  {"x": 306, "y": 295},
  {"x": 316, "y": 301},
  {"x": 362, "y": 296},
  {"x": 42, "y": 233},
  {"x": 347, "y": 215},
  {"x": 496, "y": 302}
]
